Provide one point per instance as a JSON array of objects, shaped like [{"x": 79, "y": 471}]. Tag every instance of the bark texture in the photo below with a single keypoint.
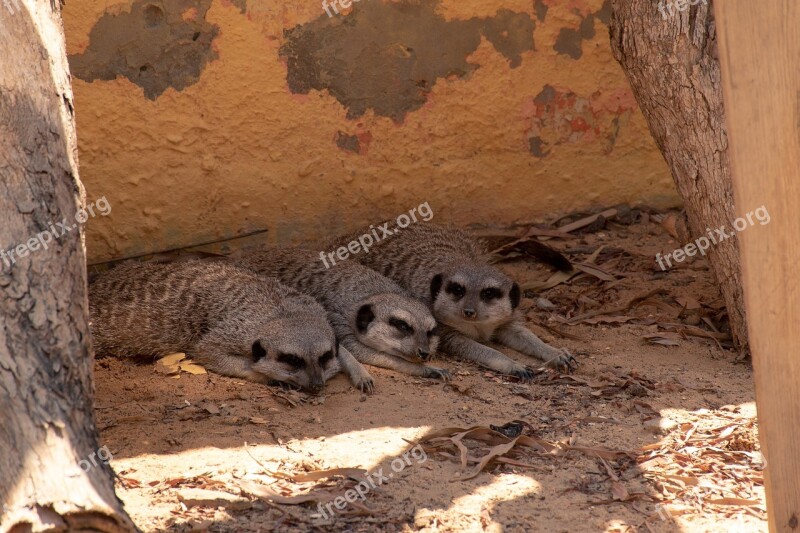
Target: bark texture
[
  {"x": 46, "y": 421},
  {"x": 671, "y": 61}
]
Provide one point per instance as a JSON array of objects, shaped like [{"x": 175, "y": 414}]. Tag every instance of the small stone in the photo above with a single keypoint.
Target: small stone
[
  {"x": 211, "y": 498},
  {"x": 660, "y": 426},
  {"x": 424, "y": 518},
  {"x": 637, "y": 390},
  {"x": 544, "y": 304}
]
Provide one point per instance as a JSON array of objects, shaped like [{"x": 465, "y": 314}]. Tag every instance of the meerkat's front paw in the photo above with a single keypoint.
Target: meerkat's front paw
[
  {"x": 563, "y": 362},
  {"x": 282, "y": 385},
  {"x": 436, "y": 373},
  {"x": 361, "y": 379},
  {"x": 365, "y": 384},
  {"x": 523, "y": 373}
]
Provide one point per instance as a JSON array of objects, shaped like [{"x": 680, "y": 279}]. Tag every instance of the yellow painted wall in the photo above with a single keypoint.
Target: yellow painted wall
[{"x": 238, "y": 148}]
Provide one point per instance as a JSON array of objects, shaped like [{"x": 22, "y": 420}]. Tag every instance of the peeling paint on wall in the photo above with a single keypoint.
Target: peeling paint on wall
[
  {"x": 357, "y": 143},
  {"x": 541, "y": 10},
  {"x": 570, "y": 41},
  {"x": 348, "y": 143},
  {"x": 387, "y": 57},
  {"x": 559, "y": 116},
  {"x": 241, "y": 4},
  {"x": 158, "y": 44},
  {"x": 239, "y": 151}
]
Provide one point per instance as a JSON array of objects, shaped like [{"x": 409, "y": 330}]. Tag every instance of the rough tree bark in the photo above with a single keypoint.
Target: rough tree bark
[
  {"x": 46, "y": 422},
  {"x": 671, "y": 61}
]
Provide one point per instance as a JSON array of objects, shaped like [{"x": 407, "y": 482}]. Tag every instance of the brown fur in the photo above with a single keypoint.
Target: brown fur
[
  {"x": 228, "y": 319},
  {"x": 434, "y": 263}
]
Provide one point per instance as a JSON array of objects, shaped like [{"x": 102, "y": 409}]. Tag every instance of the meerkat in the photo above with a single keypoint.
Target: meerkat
[
  {"x": 474, "y": 301},
  {"x": 373, "y": 317},
  {"x": 228, "y": 319}
]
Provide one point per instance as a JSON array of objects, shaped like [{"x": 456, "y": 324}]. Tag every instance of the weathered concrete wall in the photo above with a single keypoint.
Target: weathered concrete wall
[{"x": 202, "y": 120}]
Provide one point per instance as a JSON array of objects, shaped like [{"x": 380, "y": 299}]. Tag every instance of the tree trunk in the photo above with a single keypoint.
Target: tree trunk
[
  {"x": 50, "y": 476},
  {"x": 671, "y": 61}
]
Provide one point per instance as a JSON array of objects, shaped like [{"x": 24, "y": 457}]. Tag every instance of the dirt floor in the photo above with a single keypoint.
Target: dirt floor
[{"x": 656, "y": 430}]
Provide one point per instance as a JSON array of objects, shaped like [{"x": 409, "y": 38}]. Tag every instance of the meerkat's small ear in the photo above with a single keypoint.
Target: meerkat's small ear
[
  {"x": 364, "y": 318},
  {"x": 436, "y": 286},
  {"x": 514, "y": 294},
  {"x": 259, "y": 352}
]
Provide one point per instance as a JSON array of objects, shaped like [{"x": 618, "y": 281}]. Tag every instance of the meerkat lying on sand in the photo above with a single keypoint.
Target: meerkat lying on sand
[
  {"x": 473, "y": 300},
  {"x": 373, "y": 317},
  {"x": 228, "y": 319}
]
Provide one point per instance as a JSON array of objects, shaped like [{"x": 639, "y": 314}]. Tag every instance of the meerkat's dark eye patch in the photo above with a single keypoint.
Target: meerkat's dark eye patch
[
  {"x": 258, "y": 351},
  {"x": 514, "y": 295},
  {"x": 491, "y": 293},
  {"x": 433, "y": 332},
  {"x": 326, "y": 358},
  {"x": 401, "y": 325},
  {"x": 291, "y": 360},
  {"x": 436, "y": 286},
  {"x": 456, "y": 289},
  {"x": 364, "y": 318}
]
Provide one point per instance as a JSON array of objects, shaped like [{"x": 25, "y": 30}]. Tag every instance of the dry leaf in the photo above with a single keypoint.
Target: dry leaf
[
  {"x": 696, "y": 332},
  {"x": 129, "y": 482},
  {"x": 556, "y": 279},
  {"x": 618, "y": 491},
  {"x": 355, "y": 473},
  {"x": 167, "y": 370},
  {"x": 733, "y": 501},
  {"x": 265, "y": 493},
  {"x": 664, "y": 339},
  {"x": 664, "y": 306},
  {"x": 586, "y": 221},
  {"x": 670, "y": 223},
  {"x": 592, "y": 258},
  {"x": 594, "y": 271},
  {"x": 530, "y": 246},
  {"x": 632, "y": 303},
  {"x": 209, "y": 407},
  {"x": 601, "y": 420},
  {"x": 543, "y": 232},
  {"x": 497, "y": 451},
  {"x": 687, "y": 302},
  {"x": 192, "y": 368},
  {"x": 501, "y": 449},
  {"x": 606, "y": 320},
  {"x": 172, "y": 359}
]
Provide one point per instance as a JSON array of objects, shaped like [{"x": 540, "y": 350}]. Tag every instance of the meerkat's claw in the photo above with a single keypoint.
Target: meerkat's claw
[
  {"x": 564, "y": 362},
  {"x": 523, "y": 374},
  {"x": 284, "y": 386},
  {"x": 437, "y": 373},
  {"x": 366, "y": 386}
]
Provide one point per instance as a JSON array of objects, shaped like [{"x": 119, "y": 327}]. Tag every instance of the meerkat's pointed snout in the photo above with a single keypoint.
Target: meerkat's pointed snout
[
  {"x": 424, "y": 354},
  {"x": 469, "y": 313}
]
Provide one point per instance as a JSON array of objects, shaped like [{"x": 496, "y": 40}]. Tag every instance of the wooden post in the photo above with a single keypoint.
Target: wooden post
[
  {"x": 760, "y": 57},
  {"x": 669, "y": 56},
  {"x": 47, "y": 427}
]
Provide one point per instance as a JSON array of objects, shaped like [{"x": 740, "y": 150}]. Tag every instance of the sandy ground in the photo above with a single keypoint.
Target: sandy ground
[{"x": 194, "y": 452}]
